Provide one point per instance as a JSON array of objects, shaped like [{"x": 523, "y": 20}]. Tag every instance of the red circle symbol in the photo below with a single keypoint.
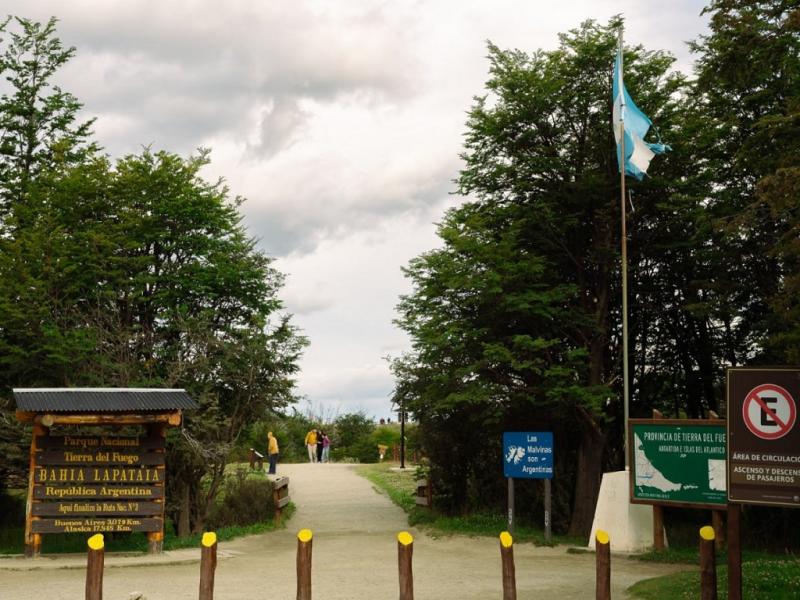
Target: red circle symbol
[{"x": 769, "y": 411}]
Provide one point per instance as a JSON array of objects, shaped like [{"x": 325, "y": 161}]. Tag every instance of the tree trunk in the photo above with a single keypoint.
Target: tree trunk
[{"x": 589, "y": 475}]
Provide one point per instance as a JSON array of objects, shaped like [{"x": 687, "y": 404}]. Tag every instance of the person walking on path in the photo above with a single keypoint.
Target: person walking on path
[
  {"x": 320, "y": 436},
  {"x": 311, "y": 444},
  {"x": 326, "y": 447},
  {"x": 272, "y": 450}
]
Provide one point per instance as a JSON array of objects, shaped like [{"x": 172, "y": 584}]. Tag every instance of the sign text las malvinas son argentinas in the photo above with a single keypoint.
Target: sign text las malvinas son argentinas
[{"x": 528, "y": 455}]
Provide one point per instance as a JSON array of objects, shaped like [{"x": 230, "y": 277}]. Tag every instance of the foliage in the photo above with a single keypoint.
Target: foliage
[
  {"x": 38, "y": 128},
  {"x": 387, "y": 435},
  {"x": 515, "y": 320},
  {"x": 351, "y": 439},
  {"x": 354, "y": 436},
  {"x": 290, "y": 430},
  {"x": 750, "y": 120},
  {"x": 352, "y": 428},
  {"x": 132, "y": 273},
  {"x": 512, "y": 320},
  {"x": 12, "y": 508},
  {"x": 764, "y": 579},
  {"x": 401, "y": 489},
  {"x": 245, "y": 499}
]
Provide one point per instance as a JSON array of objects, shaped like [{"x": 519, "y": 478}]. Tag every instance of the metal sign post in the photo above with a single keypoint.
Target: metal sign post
[
  {"x": 528, "y": 455},
  {"x": 511, "y": 505}
]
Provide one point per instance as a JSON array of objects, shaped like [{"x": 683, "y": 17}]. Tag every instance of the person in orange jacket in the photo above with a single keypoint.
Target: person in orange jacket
[
  {"x": 311, "y": 444},
  {"x": 272, "y": 451}
]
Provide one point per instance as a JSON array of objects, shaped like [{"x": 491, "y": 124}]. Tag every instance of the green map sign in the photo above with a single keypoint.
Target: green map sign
[{"x": 677, "y": 461}]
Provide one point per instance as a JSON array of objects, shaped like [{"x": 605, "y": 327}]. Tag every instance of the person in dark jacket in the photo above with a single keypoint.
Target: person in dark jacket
[{"x": 320, "y": 435}]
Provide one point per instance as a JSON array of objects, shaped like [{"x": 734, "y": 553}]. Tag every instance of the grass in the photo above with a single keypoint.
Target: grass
[
  {"x": 762, "y": 579},
  {"x": 765, "y": 576},
  {"x": 402, "y": 488}
]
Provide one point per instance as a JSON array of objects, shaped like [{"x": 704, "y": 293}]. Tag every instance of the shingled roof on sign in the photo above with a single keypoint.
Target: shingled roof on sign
[{"x": 101, "y": 400}]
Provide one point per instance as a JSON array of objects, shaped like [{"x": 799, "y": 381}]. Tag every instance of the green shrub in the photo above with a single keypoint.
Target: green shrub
[
  {"x": 12, "y": 508},
  {"x": 245, "y": 500},
  {"x": 387, "y": 435}
]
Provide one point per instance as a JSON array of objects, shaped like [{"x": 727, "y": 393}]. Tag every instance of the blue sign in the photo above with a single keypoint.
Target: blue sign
[{"x": 528, "y": 455}]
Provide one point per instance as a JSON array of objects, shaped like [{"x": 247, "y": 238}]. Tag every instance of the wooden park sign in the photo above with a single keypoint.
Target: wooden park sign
[
  {"x": 97, "y": 483},
  {"x": 101, "y": 476}
]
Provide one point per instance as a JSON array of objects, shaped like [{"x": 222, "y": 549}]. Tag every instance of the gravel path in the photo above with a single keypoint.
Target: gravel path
[{"x": 354, "y": 558}]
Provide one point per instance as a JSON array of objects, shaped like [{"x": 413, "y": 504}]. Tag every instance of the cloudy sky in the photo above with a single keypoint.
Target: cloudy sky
[{"x": 339, "y": 120}]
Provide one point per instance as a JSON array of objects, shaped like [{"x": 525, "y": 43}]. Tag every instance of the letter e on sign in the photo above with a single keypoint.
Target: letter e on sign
[{"x": 769, "y": 411}]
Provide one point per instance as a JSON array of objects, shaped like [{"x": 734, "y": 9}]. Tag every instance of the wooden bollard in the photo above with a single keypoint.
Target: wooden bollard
[
  {"x": 602, "y": 545},
  {"x": 304, "y": 564},
  {"x": 94, "y": 567},
  {"x": 509, "y": 574},
  {"x": 208, "y": 564},
  {"x": 405, "y": 551},
  {"x": 708, "y": 564}
]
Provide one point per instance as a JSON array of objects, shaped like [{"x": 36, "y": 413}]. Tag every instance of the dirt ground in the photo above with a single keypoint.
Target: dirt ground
[{"x": 354, "y": 558}]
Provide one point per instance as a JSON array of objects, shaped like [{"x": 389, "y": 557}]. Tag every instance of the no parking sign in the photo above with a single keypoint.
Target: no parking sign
[
  {"x": 763, "y": 436},
  {"x": 769, "y": 411}
]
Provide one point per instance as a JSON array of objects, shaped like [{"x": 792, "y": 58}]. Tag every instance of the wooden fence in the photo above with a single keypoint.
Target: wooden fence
[{"x": 405, "y": 552}]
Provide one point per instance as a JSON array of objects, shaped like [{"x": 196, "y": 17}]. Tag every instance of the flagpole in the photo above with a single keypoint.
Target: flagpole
[{"x": 624, "y": 242}]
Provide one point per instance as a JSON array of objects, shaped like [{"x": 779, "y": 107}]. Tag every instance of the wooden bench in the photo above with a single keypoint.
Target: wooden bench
[{"x": 280, "y": 495}]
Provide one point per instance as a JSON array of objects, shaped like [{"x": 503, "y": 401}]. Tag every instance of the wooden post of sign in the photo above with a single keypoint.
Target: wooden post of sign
[
  {"x": 659, "y": 543},
  {"x": 509, "y": 574},
  {"x": 304, "y": 564},
  {"x": 718, "y": 524},
  {"x": 208, "y": 564},
  {"x": 405, "y": 552},
  {"x": 708, "y": 564},
  {"x": 602, "y": 545},
  {"x": 547, "y": 508},
  {"x": 716, "y": 515},
  {"x": 33, "y": 541},
  {"x": 155, "y": 539},
  {"x": 734, "y": 552},
  {"x": 94, "y": 567},
  {"x": 511, "y": 504}
]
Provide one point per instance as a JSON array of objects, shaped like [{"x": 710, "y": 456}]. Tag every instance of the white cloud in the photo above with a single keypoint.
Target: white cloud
[{"x": 340, "y": 121}]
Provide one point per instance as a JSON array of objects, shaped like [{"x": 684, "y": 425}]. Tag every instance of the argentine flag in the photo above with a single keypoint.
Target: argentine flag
[{"x": 638, "y": 153}]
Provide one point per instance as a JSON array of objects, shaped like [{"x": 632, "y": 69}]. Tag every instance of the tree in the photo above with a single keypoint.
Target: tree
[
  {"x": 749, "y": 121},
  {"x": 173, "y": 293},
  {"x": 38, "y": 120},
  {"x": 514, "y": 320},
  {"x": 39, "y": 136}
]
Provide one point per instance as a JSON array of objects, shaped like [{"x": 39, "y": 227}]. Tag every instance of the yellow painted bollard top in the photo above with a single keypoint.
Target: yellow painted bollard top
[
  {"x": 707, "y": 533},
  {"x": 209, "y": 539},
  {"x": 602, "y": 536},
  {"x": 405, "y": 538},
  {"x": 506, "y": 540},
  {"x": 305, "y": 535},
  {"x": 96, "y": 542}
]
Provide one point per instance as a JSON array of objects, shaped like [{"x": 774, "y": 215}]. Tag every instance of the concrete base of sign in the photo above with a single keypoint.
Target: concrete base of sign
[{"x": 630, "y": 526}]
